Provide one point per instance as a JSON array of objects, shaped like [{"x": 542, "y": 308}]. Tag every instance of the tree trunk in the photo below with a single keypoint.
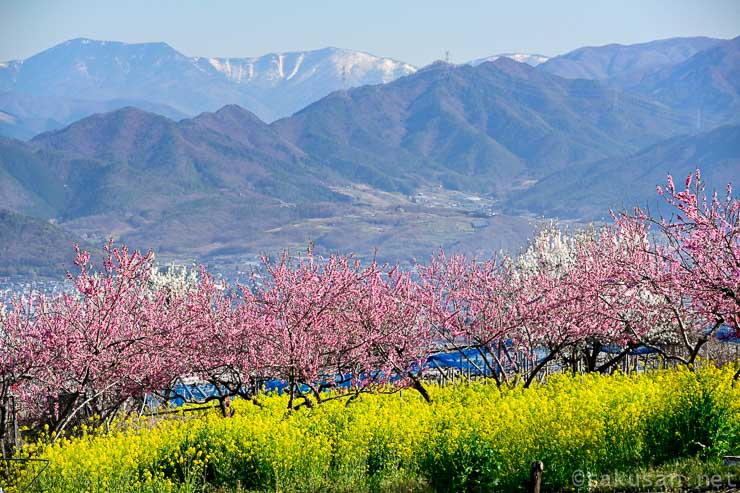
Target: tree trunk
[
  {"x": 593, "y": 356},
  {"x": 419, "y": 387},
  {"x": 539, "y": 367},
  {"x": 3, "y": 427},
  {"x": 616, "y": 359}
]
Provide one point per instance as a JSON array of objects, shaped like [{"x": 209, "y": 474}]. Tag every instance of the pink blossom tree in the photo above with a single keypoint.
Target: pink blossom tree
[
  {"x": 387, "y": 330},
  {"x": 695, "y": 259},
  {"x": 552, "y": 314},
  {"x": 295, "y": 326},
  {"x": 472, "y": 306},
  {"x": 22, "y": 356},
  {"x": 703, "y": 245},
  {"x": 204, "y": 339},
  {"x": 97, "y": 340}
]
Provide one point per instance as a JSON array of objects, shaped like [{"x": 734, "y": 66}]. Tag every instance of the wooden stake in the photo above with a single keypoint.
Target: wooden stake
[{"x": 535, "y": 476}]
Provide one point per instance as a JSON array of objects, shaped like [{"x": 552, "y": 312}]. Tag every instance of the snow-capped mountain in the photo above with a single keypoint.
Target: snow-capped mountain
[
  {"x": 51, "y": 85},
  {"x": 528, "y": 58},
  {"x": 350, "y": 67}
]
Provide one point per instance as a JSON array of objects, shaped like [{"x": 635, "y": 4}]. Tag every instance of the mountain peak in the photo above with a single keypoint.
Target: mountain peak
[
  {"x": 86, "y": 52},
  {"x": 87, "y": 41},
  {"x": 513, "y": 68},
  {"x": 437, "y": 65},
  {"x": 504, "y": 61},
  {"x": 127, "y": 114},
  {"x": 229, "y": 115},
  {"x": 233, "y": 110},
  {"x": 121, "y": 130},
  {"x": 103, "y": 42}
]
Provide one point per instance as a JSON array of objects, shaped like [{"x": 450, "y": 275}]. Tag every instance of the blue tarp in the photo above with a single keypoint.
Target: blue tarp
[
  {"x": 726, "y": 334},
  {"x": 619, "y": 349},
  {"x": 465, "y": 361}
]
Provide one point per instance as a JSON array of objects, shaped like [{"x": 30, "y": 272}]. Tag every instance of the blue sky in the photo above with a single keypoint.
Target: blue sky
[{"x": 414, "y": 31}]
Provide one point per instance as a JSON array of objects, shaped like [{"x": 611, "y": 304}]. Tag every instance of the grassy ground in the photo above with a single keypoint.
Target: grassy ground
[
  {"x": 680, "y": 476},
  {"x": 683, "y": 475}
]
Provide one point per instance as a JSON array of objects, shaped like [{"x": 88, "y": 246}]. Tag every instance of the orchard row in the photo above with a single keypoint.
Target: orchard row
[{"x": 667, "y": 283}]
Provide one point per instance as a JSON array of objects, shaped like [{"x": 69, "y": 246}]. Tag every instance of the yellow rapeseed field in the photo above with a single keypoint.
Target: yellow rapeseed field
[{"x": 471, "y": 437}]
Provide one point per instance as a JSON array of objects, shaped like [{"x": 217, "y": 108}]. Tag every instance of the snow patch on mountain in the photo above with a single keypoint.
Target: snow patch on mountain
[
  {"x": 297, "y": 66},
  {"x": 528, "y": 58},
  {"x": 7, "y": 118},
  {"x": 358, "y": 66}
]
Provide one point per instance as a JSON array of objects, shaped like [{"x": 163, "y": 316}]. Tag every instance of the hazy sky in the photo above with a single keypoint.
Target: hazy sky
[{"x": 415, "y": 31}]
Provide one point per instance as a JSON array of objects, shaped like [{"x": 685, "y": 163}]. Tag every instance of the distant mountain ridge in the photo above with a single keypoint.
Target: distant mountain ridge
[
  {"x": 625, "y": 64},
  {"x": 80, "y": 77},
  {"x": 505, "y": 134},
  {"x": 706, "y": 84},
  {"x": 487, "y": 128},
  {"x": 474, "y": 127},
  {"x": 697, "y": 76},
  {"x": 178, "y": 187},
  {"x": 230, "y": 149},
  {"x": 84, "y": 72},
  {"x": 587, "y": 191}
]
